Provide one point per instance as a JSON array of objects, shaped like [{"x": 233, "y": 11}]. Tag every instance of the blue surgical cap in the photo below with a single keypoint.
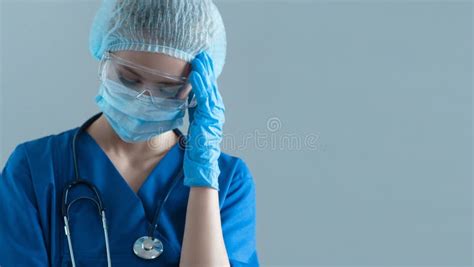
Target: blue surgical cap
[{"x": 178, "y": 28}]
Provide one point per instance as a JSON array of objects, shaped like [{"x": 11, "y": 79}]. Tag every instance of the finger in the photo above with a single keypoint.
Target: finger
[
  {"x": 207, "y": 62},
  {"x": 198, "y": 65},
  {"x": 210, "y": 62},
  {"x": 217, "y": 98},
  {"x": 198, "y": 87}
]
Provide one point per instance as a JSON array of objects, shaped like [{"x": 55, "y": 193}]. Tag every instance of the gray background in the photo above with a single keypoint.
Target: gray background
[{"x": 382, "y": 88}]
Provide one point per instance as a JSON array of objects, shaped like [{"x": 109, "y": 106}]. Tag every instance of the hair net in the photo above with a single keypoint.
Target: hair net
[{"x": 178, "y": 28}]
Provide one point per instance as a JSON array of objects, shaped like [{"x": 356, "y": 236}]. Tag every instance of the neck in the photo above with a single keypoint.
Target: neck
[{"x": 105, "y": 135}]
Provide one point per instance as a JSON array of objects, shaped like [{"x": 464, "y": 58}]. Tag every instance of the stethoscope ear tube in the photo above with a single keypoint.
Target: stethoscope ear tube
[
  {"x": 69, "y": 242},
  {"x": 66, "y": 205},
  {"x": 100, "y": 208}
]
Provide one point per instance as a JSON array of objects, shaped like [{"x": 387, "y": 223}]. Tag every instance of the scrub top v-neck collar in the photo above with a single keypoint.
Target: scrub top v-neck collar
[{"x": 115, "y": 186}]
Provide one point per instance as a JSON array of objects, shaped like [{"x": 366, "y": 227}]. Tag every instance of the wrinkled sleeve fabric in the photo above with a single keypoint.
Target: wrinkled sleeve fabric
[
  {"x": 21, "y": 238},
  {"x": 238, "y": 218}
]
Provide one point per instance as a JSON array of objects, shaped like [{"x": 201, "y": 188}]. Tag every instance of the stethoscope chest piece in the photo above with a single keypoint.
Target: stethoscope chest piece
[{"x": 148, "y": 248}]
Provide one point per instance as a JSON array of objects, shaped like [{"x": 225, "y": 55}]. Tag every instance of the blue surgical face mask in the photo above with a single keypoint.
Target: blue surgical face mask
[{"x": 137, "y": 119}]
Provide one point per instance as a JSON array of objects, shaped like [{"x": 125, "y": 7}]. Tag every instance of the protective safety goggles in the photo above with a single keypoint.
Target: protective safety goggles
[{"x": 145, "y": 82}]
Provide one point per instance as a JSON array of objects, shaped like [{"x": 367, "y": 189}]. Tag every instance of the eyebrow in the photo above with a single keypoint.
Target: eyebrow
[{"x": 168, "y": 81}]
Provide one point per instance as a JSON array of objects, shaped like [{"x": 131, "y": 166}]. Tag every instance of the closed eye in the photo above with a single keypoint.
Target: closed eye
[
  {"x": 127, "y": 81},
  {"x": 169, "y": 91}
]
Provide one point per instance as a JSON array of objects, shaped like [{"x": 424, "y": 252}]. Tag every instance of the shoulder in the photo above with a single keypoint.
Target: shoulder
[
  {"x": 31, "y": 167},
  {"x": 235, "y": 176},
  {"x": 236, "y": 181},
  {"x": 51, "y": 141},
  {"x": 33, "y": 150},
  {"x": 234, "y": 166},
  {"x": 40, "y": 146}
]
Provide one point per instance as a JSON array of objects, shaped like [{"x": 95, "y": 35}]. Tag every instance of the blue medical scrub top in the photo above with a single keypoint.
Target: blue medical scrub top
[{"x": 32, "y": 228}]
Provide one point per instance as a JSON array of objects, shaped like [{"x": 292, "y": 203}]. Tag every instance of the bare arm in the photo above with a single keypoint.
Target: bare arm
[{"x": 203, "y": 242}]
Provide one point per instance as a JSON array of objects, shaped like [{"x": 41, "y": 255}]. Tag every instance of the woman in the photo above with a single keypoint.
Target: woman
[{"x": 127, "y": 188}]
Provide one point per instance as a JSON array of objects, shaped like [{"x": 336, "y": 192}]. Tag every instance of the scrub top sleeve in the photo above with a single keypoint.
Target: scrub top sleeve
[
  {"x": 238, "y": 218},
  {"x": 21, "y": 239}
]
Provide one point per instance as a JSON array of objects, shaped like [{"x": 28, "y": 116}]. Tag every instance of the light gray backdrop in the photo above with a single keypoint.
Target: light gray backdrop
[{"x": 355, "y": 118}]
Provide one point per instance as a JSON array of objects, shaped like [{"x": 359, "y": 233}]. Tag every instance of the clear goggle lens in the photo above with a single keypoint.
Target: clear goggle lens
[{"x": 144, "y": 82}]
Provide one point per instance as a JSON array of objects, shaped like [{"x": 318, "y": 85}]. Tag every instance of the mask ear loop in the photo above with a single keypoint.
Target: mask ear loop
[
  {"x": 101, "y": 68},
  {"x": 191, "y": 100},
  {"x": 191, "y": 97},
  {"x": 186, "y": 92},
  {"x": 191, "y": 106}
]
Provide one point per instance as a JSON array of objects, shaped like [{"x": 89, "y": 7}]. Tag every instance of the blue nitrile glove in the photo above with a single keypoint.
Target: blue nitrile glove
[{"x": 205, "y": 126}]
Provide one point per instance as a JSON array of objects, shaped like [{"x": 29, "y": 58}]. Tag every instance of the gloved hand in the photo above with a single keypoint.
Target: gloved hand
[{"x": 205, "y": 126}]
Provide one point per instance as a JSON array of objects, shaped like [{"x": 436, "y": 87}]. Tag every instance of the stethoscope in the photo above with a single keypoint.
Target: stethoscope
[{"x": 146, "y": 247}]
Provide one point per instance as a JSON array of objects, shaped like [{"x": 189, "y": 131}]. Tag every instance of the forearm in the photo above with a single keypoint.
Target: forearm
[{"x": 203, "y": 242}]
